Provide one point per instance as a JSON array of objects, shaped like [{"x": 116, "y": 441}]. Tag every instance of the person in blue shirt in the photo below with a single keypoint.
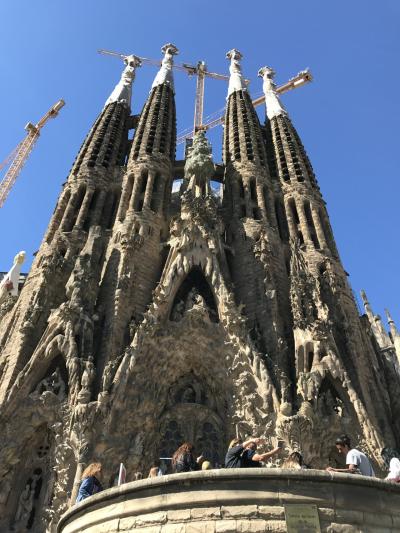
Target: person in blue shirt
[
  {"x": 251, "y": 458},
  {"x": 90, "y": 483}
]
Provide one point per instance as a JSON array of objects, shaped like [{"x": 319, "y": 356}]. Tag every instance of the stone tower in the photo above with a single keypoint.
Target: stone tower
[{"x": 150, "y": 318}]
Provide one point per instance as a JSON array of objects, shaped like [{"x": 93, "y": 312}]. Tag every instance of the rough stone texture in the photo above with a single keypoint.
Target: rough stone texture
[
  {"x": 218, "y": 502},
  {"x": 145, "y": 323}
]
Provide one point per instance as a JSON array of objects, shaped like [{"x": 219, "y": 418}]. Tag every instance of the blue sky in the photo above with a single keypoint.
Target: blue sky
[{"x": 348, "y": 117}]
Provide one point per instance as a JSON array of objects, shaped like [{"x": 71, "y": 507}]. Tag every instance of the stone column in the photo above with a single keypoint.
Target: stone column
[
  {"x": 149, "y": 189},
  {"x": 289, "y": 217},
  {"x": 84, "y": 208},
  {"x": 135, "y": 193},
  {"x": 318, "y": 227},
  {"x": 125, "y": 196},
  {"x": 70, "y": 210},
  {"x": 99, "y": 208},
  {"x": 304, "y": 223}
]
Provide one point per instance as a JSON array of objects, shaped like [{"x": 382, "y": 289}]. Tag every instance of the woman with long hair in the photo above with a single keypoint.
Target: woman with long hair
[
  {"x": 183, "y": 459},
  {"x": 89, "y": 482},
  {"x": 294, "y": 462}
]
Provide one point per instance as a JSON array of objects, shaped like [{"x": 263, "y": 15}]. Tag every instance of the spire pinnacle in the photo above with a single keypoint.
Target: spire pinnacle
[
  {"x": 236, "y": 80},
  {"x": 389, "y": 317},
  {"x": 165, "y": 75},
  {"x": 272, "y": 101},
  {"x": 9, "y": 284},
  {"x": 122, "y": 92}
]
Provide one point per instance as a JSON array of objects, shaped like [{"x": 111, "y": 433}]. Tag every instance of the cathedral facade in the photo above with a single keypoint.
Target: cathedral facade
[{"x": 152, "y": 317}]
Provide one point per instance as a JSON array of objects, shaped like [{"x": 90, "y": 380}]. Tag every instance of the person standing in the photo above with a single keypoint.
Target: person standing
[
  {"x": 183, "y": 459},
  {"x": 243, "y": 454},
  {"x": 252, "y": 459},
  {"x": 356, "y": 462},
  {"x": 90, "y": 483}
]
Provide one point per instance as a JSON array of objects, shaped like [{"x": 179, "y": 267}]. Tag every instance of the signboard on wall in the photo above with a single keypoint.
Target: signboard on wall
[{"x": 302, "y": 518}]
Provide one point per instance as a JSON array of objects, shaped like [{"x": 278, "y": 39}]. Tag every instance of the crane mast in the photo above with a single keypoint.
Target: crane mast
[{"x": 21, "y": 153}]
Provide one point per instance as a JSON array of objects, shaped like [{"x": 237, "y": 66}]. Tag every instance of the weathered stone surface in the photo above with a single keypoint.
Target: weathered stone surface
[
  {"x": 185, "y": 502},
  {"x": 152, "y": 317},
  {"x": 179, "y": 515},
  {"x": 249, "y": 511},
  {"x": 204, "y": 513}
]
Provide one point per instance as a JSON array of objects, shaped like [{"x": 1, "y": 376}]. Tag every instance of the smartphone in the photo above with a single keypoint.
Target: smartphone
[{"x": 281, "y": 443}]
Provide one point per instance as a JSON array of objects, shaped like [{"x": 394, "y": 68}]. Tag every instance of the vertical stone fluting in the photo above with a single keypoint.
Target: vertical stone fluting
[
  {"x": 309, "y": 225},
  {"x": 259, "y": 279},
  {"x": 141, "y": 217}
]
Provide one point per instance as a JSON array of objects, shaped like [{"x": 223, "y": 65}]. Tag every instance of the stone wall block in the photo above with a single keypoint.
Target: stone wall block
[
  {"x": 127, "y": 524},
  {"x": 160, "y": 517},
  {"x": 276, "y": 526},
  {"x": 270, "y": 512},
  {"x": 250, "y": 526},
  {"x": 200, "y": 527},
  {"x": 238, "y": 511},
  {"x": 202, "y": 513},
  {"x": 225, "y": 526},
  {"x": 178, "y": 515},
  {"x": 173, "y": 528}
]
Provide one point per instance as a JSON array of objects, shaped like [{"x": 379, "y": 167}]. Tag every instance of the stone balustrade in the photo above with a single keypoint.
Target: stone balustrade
[{"x": 245, "y": 500}]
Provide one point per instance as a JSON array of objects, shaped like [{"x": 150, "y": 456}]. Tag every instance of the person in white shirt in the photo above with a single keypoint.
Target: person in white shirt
[{"x": 356, "y": 462}]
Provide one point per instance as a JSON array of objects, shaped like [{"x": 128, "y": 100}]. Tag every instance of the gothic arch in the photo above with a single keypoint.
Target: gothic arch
[{"x": 195, "y": 283}]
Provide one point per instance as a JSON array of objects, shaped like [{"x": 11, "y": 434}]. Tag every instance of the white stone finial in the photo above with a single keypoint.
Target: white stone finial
[
  {"x": 165, "y": 75},
  {"x": 389, "y": 317},
  {"x": 272, "y": 101},
  {"x": 9, "y": 284},
  {"x": 123, "y": 90},
  {"x": 236, "y": 80}
]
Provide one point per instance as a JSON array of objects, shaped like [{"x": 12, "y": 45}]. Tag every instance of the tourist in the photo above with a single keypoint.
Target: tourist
[
  {"x": 90, "y": 483},
  {"x": 356, "y": 462},
  {"x": 392, "y": 463},
  {"x": 294, "y": 462},
  {"x": 251, "y": 459},
  {"x": 242, "y": 454},
  {"x": 183, "y": 459},
  {"x": 155, "y": 470}
]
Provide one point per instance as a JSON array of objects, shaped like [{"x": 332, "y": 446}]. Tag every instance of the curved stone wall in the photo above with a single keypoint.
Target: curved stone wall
[{"x": 245, "y": 500}]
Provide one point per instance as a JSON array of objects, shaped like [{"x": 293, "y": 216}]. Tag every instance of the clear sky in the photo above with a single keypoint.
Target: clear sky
[{"x": 348, "y": 117}]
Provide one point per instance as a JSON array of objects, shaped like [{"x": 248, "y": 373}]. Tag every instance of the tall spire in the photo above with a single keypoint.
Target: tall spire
[
  {"x": 236, "y": 80},
  {"x": 272, "y": 101},
  {"x": 122, "y": 92},
  {"x": 165, "y": 75}
]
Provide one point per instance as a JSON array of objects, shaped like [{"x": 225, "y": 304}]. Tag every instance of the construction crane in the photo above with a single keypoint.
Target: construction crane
[
  {"x": 200, "y": 70},
  {"x": 20, "y": 154},
  {"x": 218, "y": 117}
]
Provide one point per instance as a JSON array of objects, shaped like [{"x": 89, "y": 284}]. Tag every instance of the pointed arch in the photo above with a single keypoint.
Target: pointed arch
[{"x": 196, "y": 281}]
